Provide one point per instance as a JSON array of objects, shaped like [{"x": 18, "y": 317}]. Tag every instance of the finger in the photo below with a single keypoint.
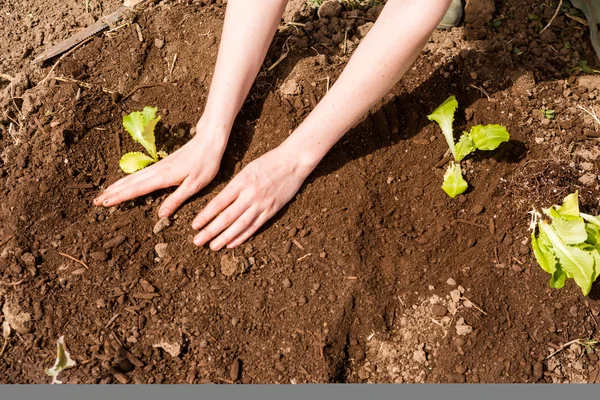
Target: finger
[
  {"x": 133, "y": 190},
  {"x": 215, "y": 206},
  {"x": 220, "y": 223},
  {"x": 125, "y": 182},
  {"x": 240, "y": 224},
  {"x": 187, "y": 189},
  {"x": 249, "y": 231}
]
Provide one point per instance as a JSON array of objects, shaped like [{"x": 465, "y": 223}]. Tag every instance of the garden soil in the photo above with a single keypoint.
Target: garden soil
[{"x": 370, "y": 274}]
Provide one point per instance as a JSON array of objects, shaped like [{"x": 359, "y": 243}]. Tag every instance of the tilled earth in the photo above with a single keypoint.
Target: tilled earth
[{"x": 370, "y": 274}]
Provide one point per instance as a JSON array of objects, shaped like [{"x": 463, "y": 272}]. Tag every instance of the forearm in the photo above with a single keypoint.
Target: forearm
[
  {"x": 383, "y": 57},
  {"x": 247, "y": 33}
]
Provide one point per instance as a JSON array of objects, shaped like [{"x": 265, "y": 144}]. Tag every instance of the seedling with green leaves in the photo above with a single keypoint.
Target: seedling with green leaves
[
  {"x": 480, "y": 137},
  {"x": 141, "y": 125},
  {"x": 566, "y": 243},
  {"x": 63, "y": 361}
]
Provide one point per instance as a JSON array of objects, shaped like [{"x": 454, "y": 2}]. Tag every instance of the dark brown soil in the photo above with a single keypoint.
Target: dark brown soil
[{"x": 369, "y": 236}]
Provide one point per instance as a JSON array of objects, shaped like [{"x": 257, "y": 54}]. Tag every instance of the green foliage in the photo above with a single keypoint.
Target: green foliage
[
  {"x": 568, "y": 245},
  {"x": 480, "y": 137},
  {"x": 141, "y": 125},
  {"x": 63, "y": 361},
  {"x": 454, "y": 183}
]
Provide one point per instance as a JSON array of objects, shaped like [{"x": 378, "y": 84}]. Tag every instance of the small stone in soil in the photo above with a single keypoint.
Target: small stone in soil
[
  {"x": 332, "y": 298},
  {"x": 461, "y": 369},
  {"x": 477, "y": 209},
  {"x": 99, "y": 256},
  {"x": 286, "y": 283},
  {"x": 161, "y": 225},
  {"x": 439, "y": 310},
  {"x": 538, "y": 370},
  {"x": 302, "y": 300},
  {"x": 234, "y": 369},
  {"x": 161, "y": 249}
]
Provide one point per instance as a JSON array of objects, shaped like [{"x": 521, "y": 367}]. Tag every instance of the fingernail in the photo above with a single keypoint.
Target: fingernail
[
  {"x": 164, "y": 213},
  {"x": 215, "y": 247}
]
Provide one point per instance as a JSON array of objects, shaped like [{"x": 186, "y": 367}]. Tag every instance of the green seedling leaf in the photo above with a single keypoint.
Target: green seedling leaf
[
  {"x": 570, "y": 206},
  {"x": 140, "y": 126},
  {"x": 549, "y": 114},
  {"x": 454, "y": 184},
  {"x": 132, "y": 162},
  {"x": 464, "y": 147},
  {"x": 444, "y": 116},
  {"x": 569, "y": 228},
  {"x": 63, "y": 361},
  {"x": 575, "y": 262},
  {"x": 488, "y": 137}
]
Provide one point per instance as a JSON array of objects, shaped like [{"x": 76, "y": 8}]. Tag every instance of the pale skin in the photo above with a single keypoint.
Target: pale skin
[{"x": 265, "y": 185}]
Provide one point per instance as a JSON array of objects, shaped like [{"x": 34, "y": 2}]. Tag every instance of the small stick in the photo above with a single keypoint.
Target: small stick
[
  {"x": 297, "y": 243},
  {"x": 17, "y": 283},
  {"x": 474, "y": 305},
  {"x": 482, "y": 90},
  {"x": 113, "y": 319},
  {"x": 63, "y": 57},
  {"x": 560, "y": 3},
  {"x": 577, "y": 19},
  {"x": 139, "y": 32},
  {"x": 135, "y": 89},
  {"x": 6, "y": 77},
  {"x": 564, "y": 346},
  {"x": 304, "y": 257},
  {"x": 173, "y": 66},
  {"x": 282, "y": 57},
  {"x": 74, "y": 259},
  {"x": 592, "y": 113}
]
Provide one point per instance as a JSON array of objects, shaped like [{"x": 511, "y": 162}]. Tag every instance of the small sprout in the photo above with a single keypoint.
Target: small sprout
[
  {"x": 480, "y": 137},
  {"x": 63, "y": 361},
  {"x": 549, "y": 114},
  {"x": 140, "y": 125}
]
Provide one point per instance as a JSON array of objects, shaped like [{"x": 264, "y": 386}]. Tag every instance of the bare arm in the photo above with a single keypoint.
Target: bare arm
[
  {"x": 266, "y": 184},
  {"x": 247, "y": 32}
]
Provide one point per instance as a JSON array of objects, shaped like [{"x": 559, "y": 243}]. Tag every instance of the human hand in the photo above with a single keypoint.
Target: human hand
[
  {"x": 252, "y": 197},
  {"x": 191, "y": 168}
]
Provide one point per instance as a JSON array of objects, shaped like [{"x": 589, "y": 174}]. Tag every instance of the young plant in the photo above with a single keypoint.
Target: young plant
[
  {"x": 566, "y": 243},
  {"x": 480, "y": 137},
  {"x": 63, "y": 361},
  {"x": 140, "y": 125}
]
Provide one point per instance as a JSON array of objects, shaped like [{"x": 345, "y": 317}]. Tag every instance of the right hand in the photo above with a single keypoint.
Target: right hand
[{"x": 192, "y": 167}]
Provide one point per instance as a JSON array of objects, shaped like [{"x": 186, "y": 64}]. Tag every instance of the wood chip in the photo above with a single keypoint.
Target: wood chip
[{"x": 121, "y": 377}]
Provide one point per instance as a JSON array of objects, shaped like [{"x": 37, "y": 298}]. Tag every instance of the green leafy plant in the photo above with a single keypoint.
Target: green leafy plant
[
  {"x": 63, "y": 361},
  {"x": 140, "y": 125},
  {"x": 549, "y": 114},
  {"x": 566, "y": 243},
  {"x": 480, "y": 137}
]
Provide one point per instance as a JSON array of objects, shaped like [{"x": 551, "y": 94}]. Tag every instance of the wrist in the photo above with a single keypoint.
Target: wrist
[
  {"x": 305, "y": 158},
  {"x": 213, "y": 133}
]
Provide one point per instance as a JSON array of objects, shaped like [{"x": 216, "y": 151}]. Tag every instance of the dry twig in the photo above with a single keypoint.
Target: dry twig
[
  {"x": 560, "y": 3},
  {"x": 74, "y": 259}
]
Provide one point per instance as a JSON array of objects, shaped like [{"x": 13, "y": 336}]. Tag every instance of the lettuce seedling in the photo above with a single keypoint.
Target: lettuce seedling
[
  {"x": 566, "y": 243},
  {"x": 63, "y": 361},
  {"x": 140, "y": 125},
  {"x": 480, "y": 137}
]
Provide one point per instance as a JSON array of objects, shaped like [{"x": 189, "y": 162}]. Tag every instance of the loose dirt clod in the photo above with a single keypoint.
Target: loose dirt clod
[{"x": 161, "y": 225}]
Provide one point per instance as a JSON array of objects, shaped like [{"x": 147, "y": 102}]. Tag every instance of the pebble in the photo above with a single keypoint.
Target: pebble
[
  {"x": 161, "y": 249},
  {"x": 286, "y": 283},
  {"x": 477, "y": 209},
  {"x": 161, "y": 225},
  {"x": 461, "y": 369},
  {"x": 558, "y": 306},
  {"x": 99, "y": 256},
  {"x": 573, "y": 311},
  {"x": 147, "y": 286},
  {"x": 115, "y": 242},
  {"x": 234, "y": 369},
  {"x": 538, "y": 370},
  {"x": 159, "y": 43},
  {"x": 332, "y": 297},
  {"x": 439, "y": 310},
  {"x": 417, "y": 192},
  {"x": 316, "y": 286},
  {"x": 451, "y": 282},
  {"x": 302, "y": 300}
]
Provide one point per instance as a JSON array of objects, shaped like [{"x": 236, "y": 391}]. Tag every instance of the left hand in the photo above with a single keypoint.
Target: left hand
[{"x": 252, "y": 197}]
